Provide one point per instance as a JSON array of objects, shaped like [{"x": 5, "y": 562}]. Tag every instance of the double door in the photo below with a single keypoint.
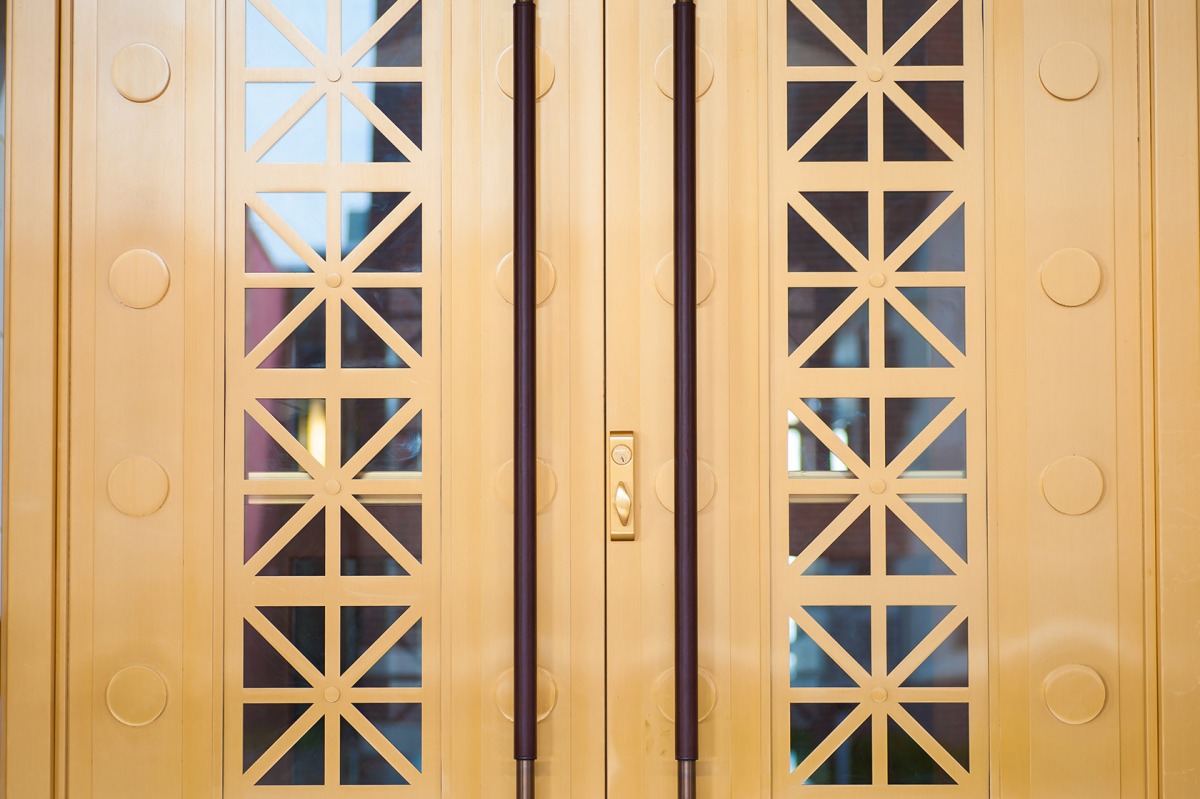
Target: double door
[{"x": 290, "y": 563}]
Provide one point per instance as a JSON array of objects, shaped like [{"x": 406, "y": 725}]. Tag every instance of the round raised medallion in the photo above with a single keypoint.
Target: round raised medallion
[
  {"x": 141, "y": 72},
  {"x": 706, "y": 485},
  {"x": 1073, "y": 485},
  {"x": 664, "y": 278},
  {"x": 546, "y": 278},
  {"x": 1074, "y": 694},
  {"x": 138, "y": 486},
  {"x": 547, "y": 485},
  {"x": 664, "y": 694},
  {"x": 1069, "y": 70},
  {"x": 136, "y": 696},
  {"x": 547, "y": 694},
  {"x": 664, "y": 71},
  {"x": 545, "y": 72},
  {"x": 1071, "y": 277},
  {"x": 139, "y": 279}
]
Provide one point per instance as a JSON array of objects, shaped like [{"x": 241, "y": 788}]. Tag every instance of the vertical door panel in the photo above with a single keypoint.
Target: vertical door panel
[
  {"x": 731, "y": 390},
  {"x": 1068, "y": 520},
  {"x": 479, "y": 371},
  {"x": 141, "y": 425}
]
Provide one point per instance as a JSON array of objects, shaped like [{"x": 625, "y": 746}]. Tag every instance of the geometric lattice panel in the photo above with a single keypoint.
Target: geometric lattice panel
[
  {"x": 878, "y": 394},
  {"x": 333, "y": 400}
]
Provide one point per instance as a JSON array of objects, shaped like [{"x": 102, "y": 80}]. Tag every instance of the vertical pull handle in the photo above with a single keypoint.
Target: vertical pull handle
[
  {"x": 525, "y": 396},
  {"x": 687, "y": 665}
]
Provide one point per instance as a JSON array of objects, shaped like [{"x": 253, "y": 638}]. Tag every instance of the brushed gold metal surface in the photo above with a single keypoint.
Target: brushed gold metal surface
[
  {"x": 1108, "y": 363},
  {"x": 622, "y": 479}
]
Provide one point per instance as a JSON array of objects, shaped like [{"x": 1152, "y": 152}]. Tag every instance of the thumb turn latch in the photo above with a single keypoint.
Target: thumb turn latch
[{"x": 621, "y": 523}]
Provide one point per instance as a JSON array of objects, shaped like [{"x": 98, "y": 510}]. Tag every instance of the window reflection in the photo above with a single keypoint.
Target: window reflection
[{"x": 811, "y": 724}]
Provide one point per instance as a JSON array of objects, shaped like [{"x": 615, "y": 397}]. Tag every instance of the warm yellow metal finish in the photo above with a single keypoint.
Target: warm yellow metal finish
[
  {"x": 129, "y": 594},
  {"x": 31, "y": 635},
  {"x": 622, "y": 456},
  {"x": 1068, "y": 589},
  {"x": 478, "y": 339},
  {"x": 920, "y": 474},
  {"x": 732, "y": 386},
  {"x": 1173, "y": 502}
]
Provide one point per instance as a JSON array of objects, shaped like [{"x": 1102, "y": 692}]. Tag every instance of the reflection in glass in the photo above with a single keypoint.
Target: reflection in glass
[
  {"x": 303, "y": 555},
  {"x": 946, "y": 515},
  {"x": 807, "y": 46},
  {"x": 904, "y": 212},
  {"x": 400, "y": 46},
  {"x": 906, "y": 418},
  {"x": 809, "y": 666},
  {"x": 399, "y": 309},
  {"x": 266, "y": 46},
  {"x": 401, "y": 248},
  {"x": 362, "y": 554},
  {"x": 400, "y": 666},
  {"x": 264, "y": 516},
  {"x": 907, "y": 553},
  {"x": 808, "y": 308},
  {"x": 948, "y": 723},
  {"x": 301, "y": 213},
  {"x": 809, "y": 516},
  {"x": 850, "y": 627},
  {"x": 362, "y": 419},
  {"x": 944, "y": 250},
  {"x": 907, "y": 627},
  {"x": 263, "y": 725},
  {"x": 850, "y": 16},
  {"x": 400, "y": 251},
  {"x": 303, "y": 764},
  {"x": 846, "y": 417},
  {"x": 846, "y": 140},
  {"x": 808, "y": 101},
  {"x": 361, "y": 764},
  {"x": 904, "y": 140},
  {"x": 943, "y": 101},
  {"x": 363, "y": 141},
  {"x": 265, "y": 457},
  {"x": 847, "y": 211},
  {"x": 909, "y": 763},
  {"x": 899, "y": 16},
  {"x": 304, "y": 627},
  {"x": 947, "y": 666},
  {"x": 304, "y": 347},
  {"x": 905, "y": 348},
  {"x": 945, "y": 307},
  {"x": 808, "y": 251},
  {"x": 942, "y": 46},
  {"x": 308, "y": 17},
  {"x": 266, "y": 103},
  {"x": 264, "y": 667},
  {"x": 811, "y": 724},
  {"x": 303, "y": 419},
  {"x": 362, "y": 212},
  {"x": 303, "y": 142}
]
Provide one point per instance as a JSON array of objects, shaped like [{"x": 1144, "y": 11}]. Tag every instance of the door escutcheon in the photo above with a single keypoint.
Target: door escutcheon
[{"x": 622, "y": 516}]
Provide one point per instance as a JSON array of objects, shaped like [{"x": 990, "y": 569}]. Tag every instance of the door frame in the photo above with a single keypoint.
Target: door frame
[
  {"x": 37, "y": 296},
  {"x": 37, "y": 178}
]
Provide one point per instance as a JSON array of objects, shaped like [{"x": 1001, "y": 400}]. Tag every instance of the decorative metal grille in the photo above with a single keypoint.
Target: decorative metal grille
[
  {"x": 880, "y": 545},
  {"x": 332, "y": 396}
]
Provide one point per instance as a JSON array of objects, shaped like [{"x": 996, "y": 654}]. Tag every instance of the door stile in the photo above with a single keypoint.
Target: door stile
[
  {"x": 35, "y": 347},
  {"x": 731, "y": 387},
  {"x": 479, "y": 485}
]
